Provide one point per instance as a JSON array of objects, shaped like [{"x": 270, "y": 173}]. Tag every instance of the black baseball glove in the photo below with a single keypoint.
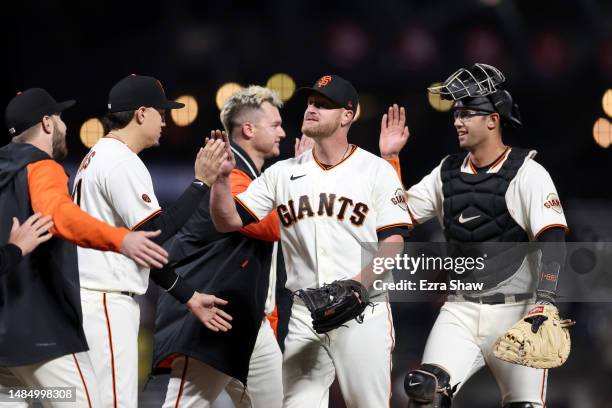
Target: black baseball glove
[{"x": 334, "y": 304}]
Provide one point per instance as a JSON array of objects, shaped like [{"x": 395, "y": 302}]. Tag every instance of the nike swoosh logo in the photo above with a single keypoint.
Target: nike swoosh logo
[
  {"x": 464, "y": 220},
  {"x": 296, "y": 177},
  {"x": 199, "y": 183},
  {"x": 412, "y": 384}
]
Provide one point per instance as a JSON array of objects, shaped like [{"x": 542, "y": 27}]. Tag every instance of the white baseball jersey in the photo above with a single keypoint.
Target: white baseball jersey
[
  {"x": 531, "y": 199},
  {"x": 326, "y": 212},
  {"x": 113, "y": 185}
]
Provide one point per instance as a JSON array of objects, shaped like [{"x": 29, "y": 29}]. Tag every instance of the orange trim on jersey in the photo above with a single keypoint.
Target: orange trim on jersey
[
  {"x": 395, "y": 163},
  {"x": 112, "y": 353},
  {"x": 549, "y": 227},
  {"x": 391, "y": 352},
  {"x": 47, "y": 185},
  {"x": 180, "y": 393},
  {"x": 501, "y": 158},
  {"x": 268, "y": 229},
  {"x": 82, "y": 379},
  {"x": 247, "y": 209},
  {"x": 321, "y": 165},
  {"x": 152, "y": 215},
  {"x": 474, "y": 171},
  {"x": 401, "y": 224}
]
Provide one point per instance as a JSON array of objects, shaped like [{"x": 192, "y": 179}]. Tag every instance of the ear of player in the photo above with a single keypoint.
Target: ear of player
[{"x": 549, "y": 347}]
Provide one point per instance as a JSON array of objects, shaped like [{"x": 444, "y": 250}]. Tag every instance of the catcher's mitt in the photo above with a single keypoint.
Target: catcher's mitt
[
  {"x": 548, "y": 347},
  {"x": 334, "y": 304}
]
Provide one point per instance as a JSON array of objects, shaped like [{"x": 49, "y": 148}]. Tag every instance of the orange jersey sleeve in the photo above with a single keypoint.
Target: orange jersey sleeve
[
  {"x": 48, "y": 187},
  {"x": 395, "y": 162},
  {"x": 267, "y": 229}
]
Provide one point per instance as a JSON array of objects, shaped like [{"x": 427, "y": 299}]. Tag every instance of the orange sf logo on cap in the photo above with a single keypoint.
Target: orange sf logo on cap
[{"x": 324, "y": 81}]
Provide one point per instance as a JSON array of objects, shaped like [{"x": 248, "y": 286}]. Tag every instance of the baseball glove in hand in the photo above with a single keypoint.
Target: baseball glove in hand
[
  {"x": 334, "y": 304},
  {"x": 540, "y": 340}
]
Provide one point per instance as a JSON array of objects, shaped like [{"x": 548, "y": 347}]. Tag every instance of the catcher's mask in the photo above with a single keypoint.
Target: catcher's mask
[{"x": 479, "y": 88}]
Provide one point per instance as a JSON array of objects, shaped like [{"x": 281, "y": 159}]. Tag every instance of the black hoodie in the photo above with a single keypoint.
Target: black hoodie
[{"x": 40, "y": 307}]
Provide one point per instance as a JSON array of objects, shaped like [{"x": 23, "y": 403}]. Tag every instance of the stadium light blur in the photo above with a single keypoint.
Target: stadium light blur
[
  {"x": 185, "y": 116},
  {"x": 225, "y": 91},
  {"x": 439, "y": 104},
  {"x": 606, "y": 102},
  {"x": 91, "y": 132},
  {"x": 602, "y": 132},
  {"x": 283, "y": 84}
]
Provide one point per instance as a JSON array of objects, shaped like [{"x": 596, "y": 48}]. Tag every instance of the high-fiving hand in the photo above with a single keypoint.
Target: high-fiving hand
[{"x": 393, "y": 132}]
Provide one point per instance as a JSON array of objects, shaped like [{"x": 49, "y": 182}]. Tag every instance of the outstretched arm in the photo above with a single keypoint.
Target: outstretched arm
[{"x": 222, "y": 206}]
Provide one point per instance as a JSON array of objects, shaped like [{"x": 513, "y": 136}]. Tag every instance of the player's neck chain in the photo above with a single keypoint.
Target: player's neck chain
[{"x": 348, "y": 147}]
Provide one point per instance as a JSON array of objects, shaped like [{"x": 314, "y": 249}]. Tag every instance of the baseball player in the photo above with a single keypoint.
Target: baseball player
[
  {"x": 241, "y": 267},
  {"x": 113, "y": 185},
  {"x": 23, "y": 239},
  {"x": 329, "y": 200},
  {"x": 489, "y": 193},
  {"x": 42, "y": 343}
]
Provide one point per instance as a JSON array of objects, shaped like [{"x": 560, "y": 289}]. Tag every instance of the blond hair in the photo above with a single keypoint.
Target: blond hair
[{"x": 238, "y": 107}]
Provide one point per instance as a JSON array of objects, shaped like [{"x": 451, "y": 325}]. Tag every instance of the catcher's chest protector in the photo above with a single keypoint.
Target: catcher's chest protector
[{"x": 475, "y": 208}]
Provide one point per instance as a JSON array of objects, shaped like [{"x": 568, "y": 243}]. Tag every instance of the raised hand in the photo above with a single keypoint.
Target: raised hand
[
  {"x": 204, "y": 307},
  {"x": 302, "y": 144},
  {"x": 209, "y": 160},
  {"x": 229, "y": 163},
  {"x": 31, "y": 233},
  {"x": 393, "y": 132},
  {"x": 146, "y": 253}
]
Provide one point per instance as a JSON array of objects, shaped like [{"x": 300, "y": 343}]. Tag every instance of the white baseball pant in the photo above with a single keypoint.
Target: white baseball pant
[
  {"x": 359, "y": 355},
  {"x": 71, "y": 370},
  {"x": 111, "y": 321},
  {"x": 196, "y": 384},
  {"x": 462, "y": 339}
]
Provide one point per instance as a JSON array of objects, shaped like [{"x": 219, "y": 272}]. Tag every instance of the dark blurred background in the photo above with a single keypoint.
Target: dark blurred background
[{"x": 557, "y": 57}]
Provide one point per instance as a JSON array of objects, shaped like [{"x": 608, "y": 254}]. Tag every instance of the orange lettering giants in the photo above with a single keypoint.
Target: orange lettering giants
[{"x": 324, "y": 81}]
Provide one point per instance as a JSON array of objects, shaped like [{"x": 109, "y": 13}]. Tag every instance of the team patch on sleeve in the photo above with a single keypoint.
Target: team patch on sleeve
[
  {"x": 400, "y": 198},
  {"x": 146, "y": 198},
  {"x": 553, "y": 203}
]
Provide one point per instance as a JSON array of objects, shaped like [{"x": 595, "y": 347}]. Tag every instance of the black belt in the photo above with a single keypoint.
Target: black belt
[
  {"x": 126, "y": 293},
  {"x": 497, "y": 298}
]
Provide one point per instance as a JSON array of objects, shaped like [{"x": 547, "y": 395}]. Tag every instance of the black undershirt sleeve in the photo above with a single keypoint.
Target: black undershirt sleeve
[
  {"x": 553, "y": 260},
  {"x": 170, "y": 221},
  {"x": 386, "y": 233}
]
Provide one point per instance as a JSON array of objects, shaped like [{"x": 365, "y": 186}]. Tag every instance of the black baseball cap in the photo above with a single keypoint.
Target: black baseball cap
[
  {"x": 135, "y": 91},
  {"x": 338, "y": 90},
  {"x": 28, "y": 108}
]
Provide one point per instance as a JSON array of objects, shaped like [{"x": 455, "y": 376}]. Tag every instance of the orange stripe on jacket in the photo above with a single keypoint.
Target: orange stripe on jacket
[
  {"x": 268, "y": 229},
  {"x": 48, "y": 187}
]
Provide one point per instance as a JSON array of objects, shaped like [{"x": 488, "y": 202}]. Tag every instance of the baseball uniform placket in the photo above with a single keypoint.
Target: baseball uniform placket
[{"x": 325, "y": 267}]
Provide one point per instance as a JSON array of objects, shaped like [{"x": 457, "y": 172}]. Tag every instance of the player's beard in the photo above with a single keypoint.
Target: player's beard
[
  {"x": 320, "y": 131},
  {"x": 58, "y": 144}
]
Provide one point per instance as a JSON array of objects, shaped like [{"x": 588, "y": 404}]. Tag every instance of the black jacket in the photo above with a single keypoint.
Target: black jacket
[
  {"x": 228, "y": 265},
  {"x": 10, "y": 256},
  {"x": 40, "y": 305}
]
